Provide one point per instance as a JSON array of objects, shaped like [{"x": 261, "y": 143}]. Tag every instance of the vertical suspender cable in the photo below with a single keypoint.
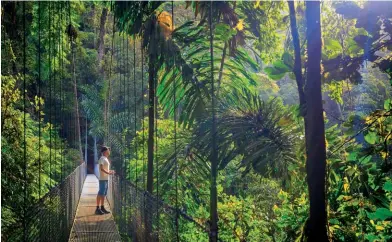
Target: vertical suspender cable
[
  {"x": 78, "y": 140},
  {"x": 214, "y": 158},
  {"x": 142, "y": 93},
  {"x": 123, "y": 98},
  {"x": 175, "y": 132},
  {"x": 128, "y": 145},
  {"x": 126, "y": 89},
  {"x": 121, "y": 69},
  {"x": 124, "y": 57},
  {"x": 50, "y": 108},
  {"x": 156, "y": 150},
  {"x": 135, "y": 112},
  {"x": 71, "y": 120},
  {"x": 55, "y": 76},
  {"x": 39, "y": 99},
  {"x": 50, "y": 95},
  {"x": 55, "y": 79},
  {"x": 61, "y": 95},
  {"x": 143, "y": 137},
  {"x": 109, "y": 79},
  {"x": 118, "y": 57},
  {"x": 129, "y": 112},
  {"x": 61, "y": 91},
  {"x": 24, "y": 127},
  {"x": 68, "y": 118}
]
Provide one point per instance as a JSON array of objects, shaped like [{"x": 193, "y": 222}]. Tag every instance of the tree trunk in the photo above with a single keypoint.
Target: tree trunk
[
  {"x": 297, "y": 56},
  {"x": 76, "y": 105},
  {"x": 101, "y": 43},
  {"x": 315, "y": 135},
  {"x": 150, "y": 145},
  {"x": 213, "y": 236}
]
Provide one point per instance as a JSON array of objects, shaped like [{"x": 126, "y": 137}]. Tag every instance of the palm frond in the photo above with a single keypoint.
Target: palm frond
[
  {"x": 192, "y": 75},
  {"x": 263, "y": 133}
]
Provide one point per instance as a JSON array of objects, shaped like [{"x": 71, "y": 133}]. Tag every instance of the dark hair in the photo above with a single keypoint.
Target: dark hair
[{"x": 104, "y": 148}]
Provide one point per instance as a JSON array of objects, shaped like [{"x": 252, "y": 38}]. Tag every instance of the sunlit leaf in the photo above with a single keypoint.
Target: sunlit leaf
[
  {"x": 371, "y": 137},
  {"x": 380, "y": 214},
  {"x": 387, "y": 186}
]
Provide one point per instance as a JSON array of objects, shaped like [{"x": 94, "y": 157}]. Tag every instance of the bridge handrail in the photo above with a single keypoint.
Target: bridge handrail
[
  {"x": 165, "y": 205},
  {"x": 145, "y": 205},
  {"x": 51, "y": 217},
  {"x": 51, "y": 190}
]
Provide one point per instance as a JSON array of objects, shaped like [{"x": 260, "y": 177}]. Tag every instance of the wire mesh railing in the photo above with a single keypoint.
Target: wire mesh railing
[
  {"x": 51, "y": 219},
  {"x": 140, "y": 216}
]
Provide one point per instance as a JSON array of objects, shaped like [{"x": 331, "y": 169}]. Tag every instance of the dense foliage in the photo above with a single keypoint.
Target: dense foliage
[{"x": 110, "y": 59}]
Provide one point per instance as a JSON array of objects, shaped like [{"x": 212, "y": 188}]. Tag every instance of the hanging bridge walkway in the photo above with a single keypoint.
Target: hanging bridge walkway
[
  {"x": 67, "y": 213},
  {"x": 87, "y": 225}
]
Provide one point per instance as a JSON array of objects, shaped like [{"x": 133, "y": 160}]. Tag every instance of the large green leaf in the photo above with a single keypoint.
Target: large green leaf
[
  {"x": 333, "y": 45},
  {"x": 273, "y": 73},
  {"x": 388, "y": 104},
  {"x": 224, "y": 32},
  {"x": 371, "y": 138},
  {"x": 387, "y": 186},
  {"x": 380, "y": 214}
]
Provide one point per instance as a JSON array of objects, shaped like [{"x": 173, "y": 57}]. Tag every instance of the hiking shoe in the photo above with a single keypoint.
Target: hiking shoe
[
  {"x": 98, "y": 211},
  {"x": 104, "y": 210}
]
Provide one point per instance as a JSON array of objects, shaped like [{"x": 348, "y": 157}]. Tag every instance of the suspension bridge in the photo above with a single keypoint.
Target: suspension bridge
[{"x": 67, "y": 211}]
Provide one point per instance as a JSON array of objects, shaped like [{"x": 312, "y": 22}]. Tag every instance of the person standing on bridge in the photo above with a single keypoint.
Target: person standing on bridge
[{"x": 104, "y": 172}]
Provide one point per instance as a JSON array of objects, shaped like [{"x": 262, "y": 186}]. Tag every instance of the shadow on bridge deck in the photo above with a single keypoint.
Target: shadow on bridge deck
[{"x": 88, "y": 226}]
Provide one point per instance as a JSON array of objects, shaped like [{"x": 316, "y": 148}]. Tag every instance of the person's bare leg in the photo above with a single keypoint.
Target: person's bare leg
[
  {"x": 102, "y": 200},
  {"x": 98, "y": 200}
]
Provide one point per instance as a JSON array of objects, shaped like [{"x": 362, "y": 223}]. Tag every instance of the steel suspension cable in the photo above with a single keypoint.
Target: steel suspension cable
[
  {"x": 55, "y": 81},
  {"x": 156, "y": 149},
  {"x": 50, "y": 96},
  {"x": 128, "y": 114},
  {"x": 124, "y": 106},
  {"x": 126, "y": 90},
  {"x": 118, "y": 56},
  {"x": 123, "y": 100},
  {"x": 71, "y": 120},
  {"x": 76, "y": 119},
  {"x": 61, "y": 94},
  {"x": 55, "y": 76},
  {"x": 69, "y": 117},
  {"x": 135, "y": 112},
  {"x": 143, "y": 138},
  {"x": 24, "y": 128},
  {"x": 50, "y": 106},
  {"x": 128, "y": 140},
  {"x": 175, "y": 131},
  {"x": 143, "y": 134},
  {"x": 39, "y": 99},
  {"x": 123, "y": 173},
  {"x": 107, "y": 102}
]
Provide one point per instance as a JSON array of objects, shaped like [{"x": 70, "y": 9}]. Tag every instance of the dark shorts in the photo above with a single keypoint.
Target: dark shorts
[{"x": 103, "y": 188}]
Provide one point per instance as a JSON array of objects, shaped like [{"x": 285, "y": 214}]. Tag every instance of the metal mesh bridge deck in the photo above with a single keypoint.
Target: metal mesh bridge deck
[{"x": 88, "y": 226}]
